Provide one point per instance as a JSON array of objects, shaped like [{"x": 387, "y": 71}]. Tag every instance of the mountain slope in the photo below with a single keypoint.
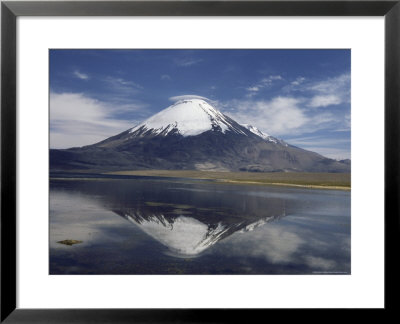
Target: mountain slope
[{"x": 191, "y": 134}]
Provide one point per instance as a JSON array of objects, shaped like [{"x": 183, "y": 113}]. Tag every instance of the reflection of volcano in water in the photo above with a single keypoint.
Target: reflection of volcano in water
[
  {"x": 188, "y": 218},
  {"x": 187, "y": 230}
]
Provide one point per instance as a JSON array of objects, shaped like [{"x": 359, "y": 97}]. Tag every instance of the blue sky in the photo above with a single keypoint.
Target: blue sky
[{"x": 301, "y": 96}]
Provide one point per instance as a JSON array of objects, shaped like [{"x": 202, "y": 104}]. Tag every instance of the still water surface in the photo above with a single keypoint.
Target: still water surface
[{"x": 137, "y": 225}]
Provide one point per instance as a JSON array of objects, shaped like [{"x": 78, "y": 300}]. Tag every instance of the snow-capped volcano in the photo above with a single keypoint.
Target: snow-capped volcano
[
  {"x": 191, "y": 117},
  {"x": 187, "y": 118},
  {"x": 191, "y": 134}
]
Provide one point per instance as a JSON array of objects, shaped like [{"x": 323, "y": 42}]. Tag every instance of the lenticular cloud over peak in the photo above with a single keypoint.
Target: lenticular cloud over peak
[{"x": 187, "y": 97}]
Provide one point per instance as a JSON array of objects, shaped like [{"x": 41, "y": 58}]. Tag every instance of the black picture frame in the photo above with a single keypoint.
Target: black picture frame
[{"x": 10, "y": 10}]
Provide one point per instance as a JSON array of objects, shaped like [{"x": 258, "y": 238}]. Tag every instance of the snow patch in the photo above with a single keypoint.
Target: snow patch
[{"x": 259, "y": 133}]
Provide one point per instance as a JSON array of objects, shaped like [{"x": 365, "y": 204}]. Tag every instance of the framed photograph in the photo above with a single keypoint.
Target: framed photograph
[{"x": 162, "y": 158}]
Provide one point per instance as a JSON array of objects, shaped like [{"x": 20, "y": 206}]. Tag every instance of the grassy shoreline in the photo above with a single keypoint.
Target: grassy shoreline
[{"x": 337, "y": 181}]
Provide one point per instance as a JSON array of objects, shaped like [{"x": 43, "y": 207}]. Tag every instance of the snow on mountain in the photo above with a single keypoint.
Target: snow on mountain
[
  {"x": 187, "y": 117},
  {"x": 263, "y": 135},
  {"x": 190, "y": 117},
  {"x": 256, "y": 131}
]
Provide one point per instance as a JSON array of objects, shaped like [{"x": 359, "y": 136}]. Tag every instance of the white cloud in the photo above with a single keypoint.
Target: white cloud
[
  {"x": 185, "y": 62},
  {"x": 288, "y": 118},
  {"x": 123, "y": 82},
  {"x": 77, "y": 120},
  {"x": 253, "y": 89},
  {"x": 324, "y": 101},
  {"x": 346, "y": 125},
  {"x": 293, "y": 115},
  {"x": 122, "y": 86},
  {"x": 298, "y": 81},
  {"x": 80, "y": 75},
  {"x": 268, "y": 80},
  {"x": 339, "y": 84},
  {"x": 165, "y": 77},
  {"x": 263, "y": 83},
  {"x": 279, "y": 116},
  {"x": 331, "y": 91}
]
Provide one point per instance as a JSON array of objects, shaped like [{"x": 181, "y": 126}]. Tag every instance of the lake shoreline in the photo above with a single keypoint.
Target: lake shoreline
[
  {"x": 332, "y": 181},
  {"x": 285, "y": 185}
]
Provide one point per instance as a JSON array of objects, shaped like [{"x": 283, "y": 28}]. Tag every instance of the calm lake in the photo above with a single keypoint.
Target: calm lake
[{"x": 139, "y": 225}]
